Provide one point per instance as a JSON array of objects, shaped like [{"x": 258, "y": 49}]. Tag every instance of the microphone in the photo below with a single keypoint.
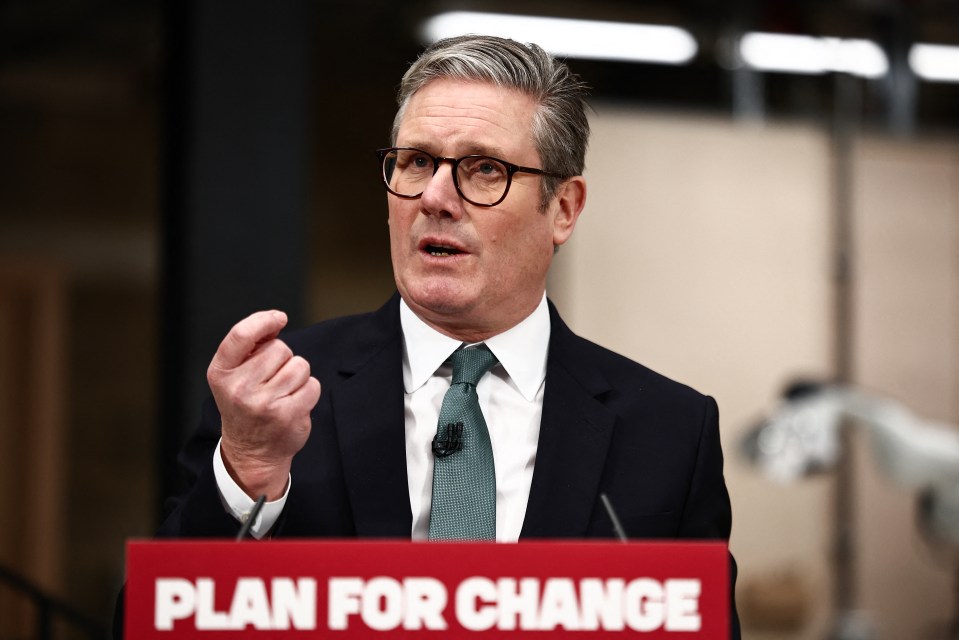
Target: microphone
[
  {"x": 254, "y": 512},
  {"x": 617, "y": 527},
  {"x": 451, "y": 442}
]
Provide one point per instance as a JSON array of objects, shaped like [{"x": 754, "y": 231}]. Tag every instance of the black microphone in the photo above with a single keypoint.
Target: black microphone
[
  {"x": 451, "y": 442},
  {"x": 254, "y": 512}
]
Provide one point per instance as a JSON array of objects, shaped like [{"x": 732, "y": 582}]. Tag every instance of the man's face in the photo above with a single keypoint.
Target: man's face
[{"x": 493, "y": 272}]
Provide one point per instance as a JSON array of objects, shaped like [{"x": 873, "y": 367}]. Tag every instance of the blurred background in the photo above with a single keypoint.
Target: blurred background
[{"x": 759, "y": 210}]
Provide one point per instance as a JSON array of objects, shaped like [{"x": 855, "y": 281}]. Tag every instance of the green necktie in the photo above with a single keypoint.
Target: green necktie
[{"x": 464, "y": 478}]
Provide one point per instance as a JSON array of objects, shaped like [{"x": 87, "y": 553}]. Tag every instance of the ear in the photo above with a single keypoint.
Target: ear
[{"x": 567, "y": 205}]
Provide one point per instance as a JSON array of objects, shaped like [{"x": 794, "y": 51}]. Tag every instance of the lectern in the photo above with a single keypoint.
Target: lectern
[{"x": 359, "y": 589}]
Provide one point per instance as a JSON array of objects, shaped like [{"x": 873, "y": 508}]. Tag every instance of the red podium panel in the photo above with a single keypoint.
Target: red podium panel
[{"x": 319, "y": 589}]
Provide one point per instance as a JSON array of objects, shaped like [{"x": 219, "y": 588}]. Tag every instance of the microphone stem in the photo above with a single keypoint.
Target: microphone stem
[
  {"x": 617, "y": 527},
  {"x": 254, "y": 512}
]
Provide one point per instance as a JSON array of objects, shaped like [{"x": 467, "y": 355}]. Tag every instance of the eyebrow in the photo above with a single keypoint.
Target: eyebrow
[{"x": 473, "y": 149}]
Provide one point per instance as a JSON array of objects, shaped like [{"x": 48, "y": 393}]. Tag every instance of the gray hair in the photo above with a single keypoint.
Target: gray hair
[{"x": 560, "y": 127}]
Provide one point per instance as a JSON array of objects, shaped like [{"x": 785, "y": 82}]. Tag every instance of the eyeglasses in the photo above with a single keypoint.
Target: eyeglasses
[{"x": 480, "y": 180}]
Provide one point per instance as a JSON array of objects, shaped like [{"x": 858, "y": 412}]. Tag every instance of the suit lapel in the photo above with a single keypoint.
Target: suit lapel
[
  {"x": 368, "y": 412},
  {"x": 574, "y": 437}
]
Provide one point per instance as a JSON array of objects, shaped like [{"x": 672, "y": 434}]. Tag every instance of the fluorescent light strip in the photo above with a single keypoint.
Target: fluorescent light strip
[
  {"x": 591, "y": 39},
  {"x": 812, "y": 55},
  {"x": 935, "y": 62}
]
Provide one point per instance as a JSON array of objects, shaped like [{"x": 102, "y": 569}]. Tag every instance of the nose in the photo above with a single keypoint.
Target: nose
[{"x": 440, "y": 198}]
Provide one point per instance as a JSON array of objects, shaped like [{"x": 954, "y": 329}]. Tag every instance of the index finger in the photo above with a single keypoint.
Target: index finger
[{"x": 245, "y": 335}]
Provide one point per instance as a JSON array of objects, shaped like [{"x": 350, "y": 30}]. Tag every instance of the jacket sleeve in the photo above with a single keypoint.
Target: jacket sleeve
[
  {"x": 708, "y": 513},
  {"x": 198, "y": 512}
]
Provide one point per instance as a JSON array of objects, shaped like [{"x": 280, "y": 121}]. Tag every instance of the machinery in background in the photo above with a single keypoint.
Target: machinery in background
[{"x": 803, "y": 436}]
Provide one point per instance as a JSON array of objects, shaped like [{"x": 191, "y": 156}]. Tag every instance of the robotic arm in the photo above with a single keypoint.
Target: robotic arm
[{"x": 802, "y": 437}]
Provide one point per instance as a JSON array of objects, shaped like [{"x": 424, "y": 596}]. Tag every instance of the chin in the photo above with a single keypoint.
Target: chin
[
  {"x": 443, "y": 305},
  {"x": 439, "y": 299}
]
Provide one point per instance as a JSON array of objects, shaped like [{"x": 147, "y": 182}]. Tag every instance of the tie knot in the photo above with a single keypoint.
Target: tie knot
[{"x": 471, "y": 363}]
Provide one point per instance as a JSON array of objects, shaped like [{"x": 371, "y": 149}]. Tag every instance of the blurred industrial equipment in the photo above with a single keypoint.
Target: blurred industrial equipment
[{"x": 803, "y": 437}]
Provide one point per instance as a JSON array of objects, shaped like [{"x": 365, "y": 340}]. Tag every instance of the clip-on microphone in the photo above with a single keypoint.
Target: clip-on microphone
[{"x": 451, "y": 442}]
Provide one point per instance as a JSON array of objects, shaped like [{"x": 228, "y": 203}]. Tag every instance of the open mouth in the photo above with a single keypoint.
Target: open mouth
[{"x": 441, "y": 251}]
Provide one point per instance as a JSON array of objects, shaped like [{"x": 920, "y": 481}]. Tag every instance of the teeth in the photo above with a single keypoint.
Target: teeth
[{"x": 439, "y": 251}]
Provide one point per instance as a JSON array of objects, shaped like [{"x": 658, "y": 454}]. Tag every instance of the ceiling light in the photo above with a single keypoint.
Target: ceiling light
[
  {"x": 591, "y": 39},
  {"x": 936, "y": 62},
  {"x": 812, "y": 55}
]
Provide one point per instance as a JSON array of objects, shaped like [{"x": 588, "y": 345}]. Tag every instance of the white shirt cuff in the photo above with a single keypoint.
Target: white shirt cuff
[{"x": 239, "y": 505}]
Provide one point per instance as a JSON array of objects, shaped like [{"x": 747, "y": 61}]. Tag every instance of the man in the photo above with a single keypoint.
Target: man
[{"x": 484, "y": 184}]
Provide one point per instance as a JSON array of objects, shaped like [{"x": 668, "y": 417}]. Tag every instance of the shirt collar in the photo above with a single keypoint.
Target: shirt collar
[{"x": 521, "y": 350}]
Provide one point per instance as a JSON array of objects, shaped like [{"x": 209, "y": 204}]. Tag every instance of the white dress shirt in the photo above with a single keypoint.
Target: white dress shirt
[{"x": 510, "y": 396}]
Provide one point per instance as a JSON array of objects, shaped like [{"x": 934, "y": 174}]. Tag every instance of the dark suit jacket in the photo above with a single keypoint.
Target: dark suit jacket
[{"x": 609, "y": 425}]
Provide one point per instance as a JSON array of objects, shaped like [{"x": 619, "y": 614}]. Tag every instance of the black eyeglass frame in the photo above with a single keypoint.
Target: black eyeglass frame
[{"x": 438, "y": 160}]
